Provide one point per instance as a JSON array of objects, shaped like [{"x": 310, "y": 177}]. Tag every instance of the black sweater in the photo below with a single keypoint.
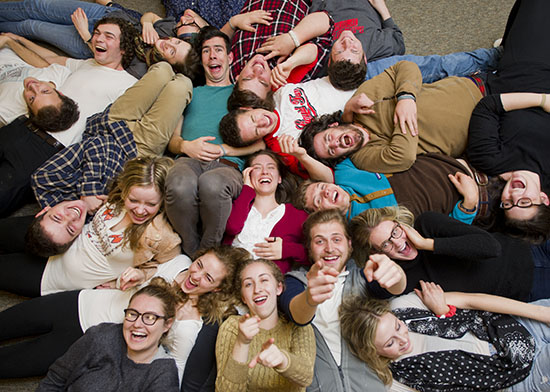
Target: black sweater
[{"x": 467, "y": 258}]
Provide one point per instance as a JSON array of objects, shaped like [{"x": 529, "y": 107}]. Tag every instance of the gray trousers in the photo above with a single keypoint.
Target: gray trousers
[{"x": 198, "y": 199}]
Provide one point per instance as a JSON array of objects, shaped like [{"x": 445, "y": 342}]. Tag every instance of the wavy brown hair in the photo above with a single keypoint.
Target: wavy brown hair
[{"x": 215, "y": 306}]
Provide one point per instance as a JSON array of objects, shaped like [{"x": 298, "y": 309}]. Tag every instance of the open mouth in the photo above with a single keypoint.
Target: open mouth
[
  {"x": 335, "y": 196},
  {"x": 190, "y": 284},
  {"x": 215, "y": 68},
  {"x": 100, "y": 49},
  {"x": 346, "y": 141},
  {"x": 76, "y": 211},
  {"x": 260, "y": 300},
  {"x": 265, "y": 180},
  {"x": 138, "y": 336},
  {"x": 331, "y": 260},
  {"x": 517, "y": 184}
]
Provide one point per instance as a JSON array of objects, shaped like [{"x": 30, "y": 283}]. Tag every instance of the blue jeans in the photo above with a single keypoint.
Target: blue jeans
[
  {"x": 539, "y": 377},
  {"x": 541, "y": 273},
  {"x": 436, "y": 67},
  {"x": 50, "y": 21}
]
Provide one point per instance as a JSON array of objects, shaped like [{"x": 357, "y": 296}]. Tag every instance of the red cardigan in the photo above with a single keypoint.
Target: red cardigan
[{"x": 289, "y": 228}]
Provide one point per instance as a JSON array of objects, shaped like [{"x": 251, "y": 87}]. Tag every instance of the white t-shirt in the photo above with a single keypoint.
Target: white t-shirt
[
  {"x": 327, "y": 321},
  {"x": 256, "y": 228},
  {"x": 93, "y": 87},
  {"x": 101, "y": 306},
  {"x": 96, "y": 256},
  {"x": 13, "y": 72},
  {"x": 298, "y": 104}
]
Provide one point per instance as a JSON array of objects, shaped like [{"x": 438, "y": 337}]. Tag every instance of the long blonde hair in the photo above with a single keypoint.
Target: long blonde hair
[
  {"x": 361, "y": 227},
  {"x": 359, "y": 317},
  {"x": 148, "y": 171}
]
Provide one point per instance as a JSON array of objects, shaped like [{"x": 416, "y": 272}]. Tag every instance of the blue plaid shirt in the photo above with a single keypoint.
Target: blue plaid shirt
[{"x": 88, "y": 167}]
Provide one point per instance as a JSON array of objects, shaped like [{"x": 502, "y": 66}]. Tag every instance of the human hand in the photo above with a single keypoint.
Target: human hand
[
  {"x": 467, "y": 187},
  {"x": 131, "y": 277},
  {"x": 385, "y": 271},
  {"x": 360, "y": 104},
  {"x": 270, "y": 356},
  {"x": 320, "y": 283},
  {"x": 80, "y": 22},
  {"x": 280, "y": 74},
  {"x": 107, "y": 285},
  {"x": 245, "y": 21},
  {"x": 148, "y": 33},
  {"x": 433, "y": 296},
  {"x": 4, "y": 40},
  {"x": 405, "y": 115},
  {"x": 202, "y": 149},
  {"x": 246, "y": 176},
  {"x": 279, "y": 45},
  {"x": 191, "y": 16},
  {"x": 249, "y": 326},
  {"x": 93, "y": 202},
  {"x": 289, "y": 145},
  {"x": 189, "y": 310},
  {"x": 545, "y": 102},
  {"x": 271, "y": 250},
  {"x": 419, "y": 242}
]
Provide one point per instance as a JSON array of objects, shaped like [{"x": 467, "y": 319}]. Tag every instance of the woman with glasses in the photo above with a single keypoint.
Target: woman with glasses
[
  {"x": 108, "y": 357},
  {"x": 457, "y": 256},
  {"x": 508, "y": 133},
  {"x": 52, "y": 323}
]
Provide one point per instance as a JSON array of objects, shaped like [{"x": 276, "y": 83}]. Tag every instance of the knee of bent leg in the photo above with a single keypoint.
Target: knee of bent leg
[
  {"x": 213, "y": 185},
  {"x": 180, "y": 187}
]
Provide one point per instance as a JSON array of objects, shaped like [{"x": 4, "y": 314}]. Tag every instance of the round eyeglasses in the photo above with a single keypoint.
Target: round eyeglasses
[
  {"x": 396, "y": 233},
  {"x": 147, "y": 318},
  {"x": 524, "y": 202}
]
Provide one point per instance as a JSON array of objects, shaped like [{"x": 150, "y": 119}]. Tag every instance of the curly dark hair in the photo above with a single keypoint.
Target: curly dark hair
[
  {"x": 54, "y": 118},
  {"x": 38, "y": 242},
  {"x": 535, "y": 230},
  {"x": 346, "y": 75},
  {"x": 246, "y": 98},
  {"x": 316, "y": 126},
  {"x": 128, "y": 35}
]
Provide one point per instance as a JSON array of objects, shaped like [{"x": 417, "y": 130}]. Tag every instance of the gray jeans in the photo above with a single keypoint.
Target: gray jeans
[{"x": 199, "y": 196}]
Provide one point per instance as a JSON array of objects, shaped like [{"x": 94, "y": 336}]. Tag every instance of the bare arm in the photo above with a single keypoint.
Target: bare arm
[
  {"x": 311, "y": 26},
  {"x": 149, "y": 34},
  {"x": 515, "y": 101},
  {"x": 25, "y": 54},
  {"x": 32, "y": 53}
]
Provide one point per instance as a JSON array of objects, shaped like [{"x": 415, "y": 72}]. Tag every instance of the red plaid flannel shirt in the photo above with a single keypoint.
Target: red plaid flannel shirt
[{"x": 286, "y": 15}]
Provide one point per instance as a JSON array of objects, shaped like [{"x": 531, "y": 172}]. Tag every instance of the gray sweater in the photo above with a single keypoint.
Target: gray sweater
[{"x": 98, "y": 362}]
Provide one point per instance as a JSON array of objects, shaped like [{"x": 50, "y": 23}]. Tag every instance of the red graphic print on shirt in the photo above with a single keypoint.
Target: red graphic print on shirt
[{"x": 303, "y": 107}]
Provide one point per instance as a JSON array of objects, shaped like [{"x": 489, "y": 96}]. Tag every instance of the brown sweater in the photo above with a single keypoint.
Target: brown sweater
[
  {"x": 297, "y": 343},
  {"x": 443, "y": 111}
]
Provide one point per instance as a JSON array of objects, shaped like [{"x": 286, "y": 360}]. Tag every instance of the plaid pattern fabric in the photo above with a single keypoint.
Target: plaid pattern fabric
[
  {"x": 286, "y": 15},
  {"x": 85, "y": 168}
]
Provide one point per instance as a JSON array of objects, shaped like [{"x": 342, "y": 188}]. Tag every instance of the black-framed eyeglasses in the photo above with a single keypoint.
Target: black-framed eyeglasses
[
  {"x": 396, "y": 232},
  {"x": 148, "y": 318},
  {"x": 524, "y": 202}
]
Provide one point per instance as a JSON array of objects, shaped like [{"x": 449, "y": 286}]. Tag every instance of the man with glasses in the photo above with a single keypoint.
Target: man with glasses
[
  {"x": 314, "y": 297},
  {"x": 434, "y": 183}
]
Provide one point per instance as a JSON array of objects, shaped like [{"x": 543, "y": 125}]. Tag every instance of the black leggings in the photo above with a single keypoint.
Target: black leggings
[
  {"x": 20, "y": 273},
  {"x": 54, "y": 318}
]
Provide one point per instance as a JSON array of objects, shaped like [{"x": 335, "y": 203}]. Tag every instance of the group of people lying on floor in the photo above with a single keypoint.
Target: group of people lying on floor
[{"x": 271, "y": 196}]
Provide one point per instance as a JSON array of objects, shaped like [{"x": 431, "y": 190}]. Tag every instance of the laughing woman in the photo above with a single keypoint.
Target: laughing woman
[
  {"x": 430, "y": 342},
  {"x": 121, "y": 247},
  {"x": 111, "y": 358},
  {"x": 259, "y": 221},
  {"x": 260, "y": 350},
  {"x": 437, "y": 248}
]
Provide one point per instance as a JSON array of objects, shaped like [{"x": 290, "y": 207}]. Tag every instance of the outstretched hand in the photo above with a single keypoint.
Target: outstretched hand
[
  {"x": 80, "y": 22},
  {"x": 270, "y": 356},
  {"x": 249, "y": 326},
  {"x": 320, "y": 283},
  {"x": 245, "y": 21},
  {"x": 382, "y": 269}
]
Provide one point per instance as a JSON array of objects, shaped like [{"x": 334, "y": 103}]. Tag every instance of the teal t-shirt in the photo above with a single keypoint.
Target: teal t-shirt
[{"x": 203, "y": 115}]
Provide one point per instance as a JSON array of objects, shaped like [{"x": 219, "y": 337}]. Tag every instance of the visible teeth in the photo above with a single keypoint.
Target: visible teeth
[
  {"x": 265, "y": 181},
  {"x": 139, "y": 334},
  {"x": 260, "y": 299},
  {"x": 334, "y": 196},
  {"x": 100, "y": 49},
  {"x": 330, "y": 258},
  {"x": 403, "y": 247},
  {"x": 76, "y": 210}
]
